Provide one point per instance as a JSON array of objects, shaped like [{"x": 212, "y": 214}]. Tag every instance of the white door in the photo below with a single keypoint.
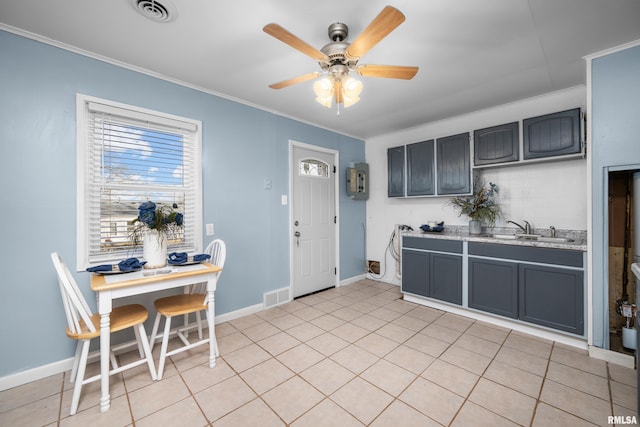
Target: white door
[{"x": 313, "y": 220}]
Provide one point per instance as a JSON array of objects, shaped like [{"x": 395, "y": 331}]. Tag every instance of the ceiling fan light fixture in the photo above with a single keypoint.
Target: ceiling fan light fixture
[
  {"x": 351, "y": 87},
  {"x": 325, "y": 102},
  {"x": 324, "y": 87},
  {"x": 348, "y": 101}
]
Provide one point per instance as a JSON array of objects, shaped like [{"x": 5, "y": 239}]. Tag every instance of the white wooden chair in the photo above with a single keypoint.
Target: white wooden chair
[
  {"x": 184, "y": 304},
  {"x": 83, "y": 326}
]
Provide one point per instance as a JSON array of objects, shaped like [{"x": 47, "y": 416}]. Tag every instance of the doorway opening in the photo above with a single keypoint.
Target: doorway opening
[{"x": 623, "y": 250}]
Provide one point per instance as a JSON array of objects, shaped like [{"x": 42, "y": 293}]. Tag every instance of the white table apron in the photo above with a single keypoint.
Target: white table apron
[{"x": 109, "y": 288}]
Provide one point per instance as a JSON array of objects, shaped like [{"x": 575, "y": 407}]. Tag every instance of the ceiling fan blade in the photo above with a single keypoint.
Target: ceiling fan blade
[
  {"x": 379, "y": 28},
  {"x": 285, "y": 36},
  {"x": 295, "y": 80},
  {"x": 387, "y": 71}
]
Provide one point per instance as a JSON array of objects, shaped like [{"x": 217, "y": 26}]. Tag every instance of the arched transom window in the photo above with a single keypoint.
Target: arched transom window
[{"x": 313, "y": 168}]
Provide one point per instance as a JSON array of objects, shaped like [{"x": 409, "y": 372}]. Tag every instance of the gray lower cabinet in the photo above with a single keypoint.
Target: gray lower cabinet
[
  {"x": 551, "y": 296},
  {"x": 428, "y": 272},
  {"x": 493, "y": 286},
  {"x": 445, "y": 277},
  {"x": 415, "y": 272},
  {"x": 544, "y": 286}
]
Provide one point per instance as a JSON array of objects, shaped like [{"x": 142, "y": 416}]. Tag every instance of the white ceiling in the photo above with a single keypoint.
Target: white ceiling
[{"x": 472, "y": 54}]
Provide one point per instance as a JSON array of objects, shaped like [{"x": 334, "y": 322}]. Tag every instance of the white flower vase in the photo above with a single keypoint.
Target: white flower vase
[
  {"x": 475, "y": 227},
  {"x": 154, "y": 249}
]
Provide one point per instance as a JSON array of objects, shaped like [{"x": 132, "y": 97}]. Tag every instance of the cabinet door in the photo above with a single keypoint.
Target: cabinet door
[
  {"x": 552, "y": 297},
  {"x": 420, "y": 180},
  {"x": 497, "y": 144},
  {"x": 415, "y": 272},
  {"x": 552, "y": 135},
  {"x": 493, "y": 286},
  {"x": 445, "y": 277},
  {"x": 395, "y": 169},
  {"x": 453, "y": 167}
]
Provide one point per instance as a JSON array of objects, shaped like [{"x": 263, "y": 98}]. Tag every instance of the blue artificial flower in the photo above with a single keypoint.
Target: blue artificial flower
[
  {"x": 179, "y": 219},
  {"x": 147, "y": 213}
]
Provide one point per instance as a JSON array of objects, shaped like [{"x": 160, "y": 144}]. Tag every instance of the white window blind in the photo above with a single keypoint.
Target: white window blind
[{"x": 130, "y": 156}]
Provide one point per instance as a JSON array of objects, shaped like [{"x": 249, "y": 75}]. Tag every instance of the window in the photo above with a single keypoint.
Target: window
[
  {"x": 126, "y": 156},
  {"x": 311, "y": 167}
]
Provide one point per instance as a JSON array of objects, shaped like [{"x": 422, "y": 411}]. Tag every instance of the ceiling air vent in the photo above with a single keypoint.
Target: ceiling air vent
[{"x": 157, "y": 11}]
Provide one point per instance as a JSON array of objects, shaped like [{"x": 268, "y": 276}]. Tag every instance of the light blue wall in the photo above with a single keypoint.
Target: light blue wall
[
  {"x": 616, "y": 145},
  {"x": 242, "y": 147}
]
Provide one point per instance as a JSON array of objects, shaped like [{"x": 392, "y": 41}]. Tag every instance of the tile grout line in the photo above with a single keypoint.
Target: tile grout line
[{"x": 544, "y": 380}]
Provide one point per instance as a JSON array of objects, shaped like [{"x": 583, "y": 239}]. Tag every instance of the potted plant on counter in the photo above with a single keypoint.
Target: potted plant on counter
[
  {"x": 154, "y": 225},
  {"x": 479, "y": 206}
]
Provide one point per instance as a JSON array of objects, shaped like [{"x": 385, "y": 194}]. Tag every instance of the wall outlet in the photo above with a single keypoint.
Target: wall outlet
[{"x": 209, "y": 229}]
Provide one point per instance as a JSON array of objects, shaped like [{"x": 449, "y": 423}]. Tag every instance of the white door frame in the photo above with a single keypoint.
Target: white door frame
[{"x": 336, "y": 196}]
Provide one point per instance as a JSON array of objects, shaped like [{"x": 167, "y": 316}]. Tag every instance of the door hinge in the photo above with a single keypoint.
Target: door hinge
[
  {"x": 335, "y": 219},
  {"x": 335, "y": 270},
  {"x": 334, "y": 169}
]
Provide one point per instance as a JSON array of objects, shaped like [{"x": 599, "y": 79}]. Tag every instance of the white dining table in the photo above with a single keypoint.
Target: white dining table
[{"x": 112, "y": 287}]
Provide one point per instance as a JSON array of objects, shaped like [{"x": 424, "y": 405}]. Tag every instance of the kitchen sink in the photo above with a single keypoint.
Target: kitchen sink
[
  {"x": 534, "y": 237},
  {"x": 502, "y": 236},
  {"x": 555, "y": 239}
]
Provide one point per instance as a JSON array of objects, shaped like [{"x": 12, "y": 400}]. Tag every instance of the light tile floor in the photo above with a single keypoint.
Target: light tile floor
[{"x": 350, "y": 356}]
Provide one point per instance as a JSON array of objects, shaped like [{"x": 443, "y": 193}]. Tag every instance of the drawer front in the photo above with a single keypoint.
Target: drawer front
[
  {"x": 528, "y": 254},
  {"x": 442, "y": 245}
]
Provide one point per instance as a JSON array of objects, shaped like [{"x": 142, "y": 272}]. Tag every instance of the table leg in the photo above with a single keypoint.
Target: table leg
[
  {"x": 211, "y": 312},
  {"x": 105, "y": 345}
]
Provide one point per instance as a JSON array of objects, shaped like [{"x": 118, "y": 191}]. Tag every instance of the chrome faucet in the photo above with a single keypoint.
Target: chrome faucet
[
  {"x": 526, "y": 228},
  {"x": 553, "y": 231}
]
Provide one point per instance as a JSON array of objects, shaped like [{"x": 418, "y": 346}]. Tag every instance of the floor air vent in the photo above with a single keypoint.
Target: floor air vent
[{"x": 277, "y": 297}]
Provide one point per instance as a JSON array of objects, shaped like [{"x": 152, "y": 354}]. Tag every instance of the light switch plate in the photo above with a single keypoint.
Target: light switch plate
[{"x": 209, "y": 229}]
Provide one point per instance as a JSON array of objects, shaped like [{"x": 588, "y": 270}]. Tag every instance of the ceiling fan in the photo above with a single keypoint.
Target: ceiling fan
[{"x": 338, "y": 58}]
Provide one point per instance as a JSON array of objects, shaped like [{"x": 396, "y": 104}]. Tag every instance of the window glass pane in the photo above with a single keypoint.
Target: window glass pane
[
  {"x": 136, "y": 155},
  {"x": 311, "y": 167},
  {"x": 138, "y": 164}
]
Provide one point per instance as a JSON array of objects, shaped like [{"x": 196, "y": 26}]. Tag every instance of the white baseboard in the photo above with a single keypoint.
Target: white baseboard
[
  {"x": 40, "y": 372},
  {"x": 252, "y": 309},
  {"x": 612, "y": 356},
  {"x": 351, "y": 280},
  {"x": 34, "y": 374}
]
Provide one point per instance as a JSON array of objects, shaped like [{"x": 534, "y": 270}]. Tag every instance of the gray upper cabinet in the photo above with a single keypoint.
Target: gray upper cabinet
[
  {"x": 497, "y": 144},
  {"x": 414, "y": 169},
  {"x": 395, "y": 168},
  {"x": 551, "y": 135},
  {"x": 453, "y": 165},
  {"x": 420, "y": 173}
]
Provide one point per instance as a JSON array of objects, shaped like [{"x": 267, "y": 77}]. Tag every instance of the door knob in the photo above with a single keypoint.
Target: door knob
[{"x": 297, "y": 234}]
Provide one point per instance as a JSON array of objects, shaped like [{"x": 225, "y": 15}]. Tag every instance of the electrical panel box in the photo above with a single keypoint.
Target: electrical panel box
[{"x": 358, "y": 181}]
